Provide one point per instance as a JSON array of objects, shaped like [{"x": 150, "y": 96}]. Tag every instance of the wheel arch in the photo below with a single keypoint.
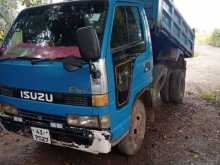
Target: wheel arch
[
  {"x": 173, "y": 58},
  {"x": 173, "y": 54},
  {"x": 146, "y": 96}
]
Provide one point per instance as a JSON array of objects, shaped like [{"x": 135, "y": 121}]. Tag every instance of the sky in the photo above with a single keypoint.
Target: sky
[{"x": 200, "y": 14}]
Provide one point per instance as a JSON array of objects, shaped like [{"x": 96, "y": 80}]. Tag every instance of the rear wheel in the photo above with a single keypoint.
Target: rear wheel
[
  {"x": 177, "y": 86},
  {"x": 165, "y": 91},
  {"x": 132, "y": 143},
  {"x": 174, "y": 87}
]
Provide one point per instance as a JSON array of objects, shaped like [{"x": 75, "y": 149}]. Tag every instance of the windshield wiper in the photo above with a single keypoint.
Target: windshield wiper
[
  {"x": 77, "y": 62},
  {"x": 36, "y": 60},
  {"x": 69, "y": 63},
  {"x": 72, "y": 63},
  {"x": 4, "y": 59},
  {"x": 33, "y": 60}
]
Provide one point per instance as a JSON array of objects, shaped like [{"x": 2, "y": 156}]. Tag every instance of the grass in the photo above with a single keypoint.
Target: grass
[
  {"x": 208, "y": 96},
  {"x": 211, "y": 96},
  {"x": 218, "y": 95}
]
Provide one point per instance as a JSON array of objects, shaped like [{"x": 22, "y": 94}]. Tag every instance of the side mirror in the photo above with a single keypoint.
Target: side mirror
[{"x": 88, "y": 43}]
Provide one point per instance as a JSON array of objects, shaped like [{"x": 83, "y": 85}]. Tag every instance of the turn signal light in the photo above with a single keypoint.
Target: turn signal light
[
  {"x": 105, "y": 121},
  {"x": 100, "y": 100}
]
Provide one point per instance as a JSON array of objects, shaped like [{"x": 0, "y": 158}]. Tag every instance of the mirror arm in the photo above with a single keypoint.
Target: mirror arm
[{"x": 96, "y": 74}]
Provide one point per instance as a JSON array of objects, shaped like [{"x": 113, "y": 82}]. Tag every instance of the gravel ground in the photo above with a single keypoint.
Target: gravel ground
[
  {"x": 188, "y": 134},
  {"x": 203, "y": 71}
]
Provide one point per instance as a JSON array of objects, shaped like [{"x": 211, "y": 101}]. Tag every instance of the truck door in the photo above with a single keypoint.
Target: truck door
[{"x": 129, "y": 57}]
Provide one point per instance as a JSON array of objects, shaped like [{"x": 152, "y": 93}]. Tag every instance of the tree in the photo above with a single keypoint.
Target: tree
[
  {"x": 8, "y": 11},
  {"x": 215, "y": 38},
  {"x": 29, "y": 3}
]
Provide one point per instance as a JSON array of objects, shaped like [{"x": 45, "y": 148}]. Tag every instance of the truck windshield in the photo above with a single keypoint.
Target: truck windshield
[{"x": 47, "y": 31}]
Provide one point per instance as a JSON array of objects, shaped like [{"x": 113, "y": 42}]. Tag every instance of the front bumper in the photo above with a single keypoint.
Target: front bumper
[{"x": 92, "y": 141}]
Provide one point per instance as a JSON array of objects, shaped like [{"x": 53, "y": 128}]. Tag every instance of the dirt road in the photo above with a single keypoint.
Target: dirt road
[
  {"x": 203, "y": 72},
  {"x": 187, "y": 134}
]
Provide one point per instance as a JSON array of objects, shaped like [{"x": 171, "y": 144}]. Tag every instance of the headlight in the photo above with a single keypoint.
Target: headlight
[
  {"x": 102, "y": 122},
  {"x": 8, "y": 109},
  {"x": 83, "y": 121}
]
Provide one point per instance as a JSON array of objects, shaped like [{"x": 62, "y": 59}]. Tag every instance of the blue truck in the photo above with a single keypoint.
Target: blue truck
[{"x": 85, "y": 74}]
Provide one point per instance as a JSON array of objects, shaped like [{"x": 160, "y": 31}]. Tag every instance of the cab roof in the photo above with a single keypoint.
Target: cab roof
[{"x": 110, "y": 2}]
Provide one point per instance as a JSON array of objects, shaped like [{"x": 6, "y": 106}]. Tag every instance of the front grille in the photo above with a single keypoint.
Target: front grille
[
  {"x": 32, "y": 117},
  {"x": 71, "y": 99},
  {"x": 59, "y": 98}
]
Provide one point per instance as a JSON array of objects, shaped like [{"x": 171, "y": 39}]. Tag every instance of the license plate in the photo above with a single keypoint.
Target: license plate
[{"x": 41, "y": 135}]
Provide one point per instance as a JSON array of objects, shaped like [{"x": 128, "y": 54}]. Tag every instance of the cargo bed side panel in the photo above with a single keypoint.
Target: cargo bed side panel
[{"x": 166, "y": 20}]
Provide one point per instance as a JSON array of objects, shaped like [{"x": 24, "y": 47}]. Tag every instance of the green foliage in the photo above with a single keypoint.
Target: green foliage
[
  {"x": 214, "y": 39},
  {"x": 208, "y": 96},
  {"x": 29, "y": 3},
  {"x": 202, "y": 38},
  {"x": 1, "y": 36},
  {"x": 7, "y": 10},
  {"x": 7, "y": 15}
]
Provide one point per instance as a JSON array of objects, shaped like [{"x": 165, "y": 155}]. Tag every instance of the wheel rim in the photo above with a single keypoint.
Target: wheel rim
[{"x": 138, "y": 124}]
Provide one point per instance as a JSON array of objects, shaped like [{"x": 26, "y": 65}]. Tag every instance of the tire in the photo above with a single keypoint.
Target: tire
[
  {"x": 165, "y": 91},
  {"x": 172, "y": 91},
  {"x": 159, "y": 74},
  {"x": 177, "y": 86},
  {"x": 132, "y": 143}
]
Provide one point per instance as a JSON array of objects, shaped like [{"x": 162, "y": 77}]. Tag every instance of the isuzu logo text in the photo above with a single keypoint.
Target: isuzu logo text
[{"x": 38, "y": 96}]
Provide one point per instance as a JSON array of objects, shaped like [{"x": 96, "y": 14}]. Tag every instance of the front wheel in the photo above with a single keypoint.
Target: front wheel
[{"x": 132, "y": 143}]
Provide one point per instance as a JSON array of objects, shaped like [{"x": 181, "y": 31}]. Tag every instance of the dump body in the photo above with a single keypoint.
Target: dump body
[{"x": 168, "y": 26}]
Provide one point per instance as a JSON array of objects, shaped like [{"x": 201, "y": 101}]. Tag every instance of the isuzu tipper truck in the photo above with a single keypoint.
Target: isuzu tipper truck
[{"x": 85, "y": 73}]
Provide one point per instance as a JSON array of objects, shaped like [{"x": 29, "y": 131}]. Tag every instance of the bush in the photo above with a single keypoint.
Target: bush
[
  {"x": 202, "y": 38},
  {"x": 214, "y": 39},
  {"x": 1, "y": 36}
]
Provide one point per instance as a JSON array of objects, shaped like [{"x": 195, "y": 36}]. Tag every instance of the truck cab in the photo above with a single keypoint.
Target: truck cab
[{"x": 79, "y": 74}]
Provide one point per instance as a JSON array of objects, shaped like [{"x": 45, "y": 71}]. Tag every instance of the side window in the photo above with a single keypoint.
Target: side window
[
  {"x": 119, "y": 33},
  {"x": 134, "y": 25},
  {"x": 127, "y": 30}
]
